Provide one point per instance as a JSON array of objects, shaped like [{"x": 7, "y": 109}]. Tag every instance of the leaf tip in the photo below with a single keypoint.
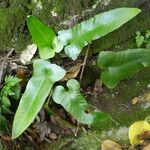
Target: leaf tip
[
  {"x": 29, "y": 16},
  {"x": 137, "y": 11},
  {"x": 14, "y": 135},
  {"x": 15, "y": 130}
]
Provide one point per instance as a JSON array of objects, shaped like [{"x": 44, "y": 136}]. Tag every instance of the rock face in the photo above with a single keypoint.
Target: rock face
[
  {"x": 13, "y": 32},
  {"x": 60, "y": 14}
]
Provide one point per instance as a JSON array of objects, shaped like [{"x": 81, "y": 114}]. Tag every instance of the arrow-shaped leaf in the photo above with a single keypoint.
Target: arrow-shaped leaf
[
  {"x": 38, "y": 88},
  {"x": 73, "y": 101},
  {"x": 120, "y": 65},
  {"x": 94, "y": 28},
  {"x": 44, "y": 37}
]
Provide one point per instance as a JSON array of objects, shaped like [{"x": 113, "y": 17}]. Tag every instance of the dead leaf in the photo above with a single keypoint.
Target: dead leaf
[
  {"x": 42, "y": 114},
  {"x": 72, "y": 73},
  {"x": 147, "y": 147},
  {"x": 28, "y": 53},
  {"x": 42, "y": 129},
  {"x": 5, "y": 138},
  {"x": 110, "y": 145},
  {"x": 135, "y": 100},
  {"x": 21, "y": 74},
  {"x": 147, "y": 97},
  {"x": 13, "y": 66},
  {"x": 145, "y": 135},
  {"x": 53, "y": 136}
]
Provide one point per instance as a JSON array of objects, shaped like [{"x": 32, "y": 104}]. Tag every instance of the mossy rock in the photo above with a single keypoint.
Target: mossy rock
[
  {"x": 13, "y": 32},
  {"x": 13, "y": 13},
  {"x": 60, "y": 14},
  {"x": 125, "y": 36}
]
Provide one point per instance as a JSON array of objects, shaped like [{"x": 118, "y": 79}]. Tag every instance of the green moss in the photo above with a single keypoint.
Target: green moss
[
  {"x": 13, "y": 15},
  {"x": 65, "y": 10},
  {"x": 118, "y": 101},
  {"x": 4, "y": 4},
  {"x": 12, "y": 27},
  {"x": 13, "y": 33},
  {"x": 71, "y": 7}
]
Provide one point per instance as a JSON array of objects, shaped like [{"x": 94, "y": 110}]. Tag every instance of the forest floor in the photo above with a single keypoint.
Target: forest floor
[{"x": 55, "y": 129}]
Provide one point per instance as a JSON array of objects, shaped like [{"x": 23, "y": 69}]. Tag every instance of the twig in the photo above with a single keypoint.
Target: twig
[
  {"x": 84, "y": 63},
  {"x": 77, "y": 130},
  {"x": 3, "y": 64}
]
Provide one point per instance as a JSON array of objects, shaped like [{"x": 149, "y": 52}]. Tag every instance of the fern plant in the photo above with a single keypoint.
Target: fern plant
[
  {"x": 5, "y": 94},
  {"x": 72, "y": 41},
  {"x": 143, "y": 40}
]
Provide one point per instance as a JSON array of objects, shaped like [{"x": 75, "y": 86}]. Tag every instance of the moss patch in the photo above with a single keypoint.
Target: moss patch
[{"x": 13, "y": 33}]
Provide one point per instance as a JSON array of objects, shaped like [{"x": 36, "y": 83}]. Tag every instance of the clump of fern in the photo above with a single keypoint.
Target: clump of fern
[
  {"x": 10, "y": 89},
  {"x": 143, "y": 40}
]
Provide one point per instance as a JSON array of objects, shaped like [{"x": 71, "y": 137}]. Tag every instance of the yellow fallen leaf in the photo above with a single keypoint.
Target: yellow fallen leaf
[{"x": 136, "y": 129}]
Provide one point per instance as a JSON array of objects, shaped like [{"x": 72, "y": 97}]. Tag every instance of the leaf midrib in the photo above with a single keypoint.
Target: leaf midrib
[
  {"x": 75, "y": 40},
  {"x": 43, "y": 35}
]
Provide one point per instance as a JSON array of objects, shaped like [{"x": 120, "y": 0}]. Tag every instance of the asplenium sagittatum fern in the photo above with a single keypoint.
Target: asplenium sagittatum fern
[{"x": 72, "y": 41}]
